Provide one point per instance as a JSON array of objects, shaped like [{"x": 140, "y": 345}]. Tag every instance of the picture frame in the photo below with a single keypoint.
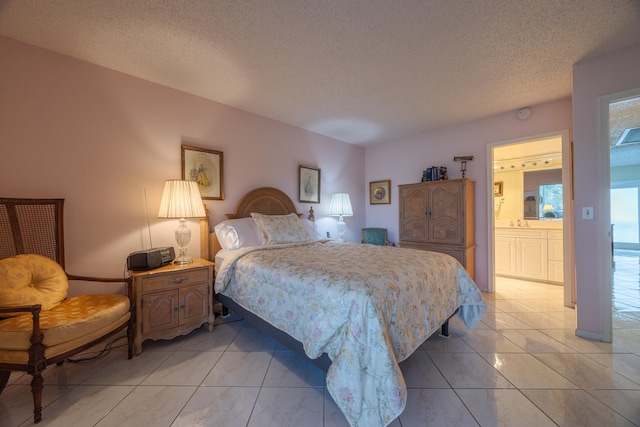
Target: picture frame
[
  {"x": 308, "y": 184},
  {"x": 380, "y": 192},
  {"x": 497, "y": 189},
  {"x": 206, "y": 167}
]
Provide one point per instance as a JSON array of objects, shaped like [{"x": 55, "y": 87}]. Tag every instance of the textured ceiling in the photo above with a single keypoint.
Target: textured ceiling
[{"x": 361, "y": 71}]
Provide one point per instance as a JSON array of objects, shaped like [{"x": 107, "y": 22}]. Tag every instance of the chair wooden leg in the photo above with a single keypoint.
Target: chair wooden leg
[
  {"x": 130, "y": 339},
  {"x": 36, "y": 389},
  {"x": 4, "y": 379}
]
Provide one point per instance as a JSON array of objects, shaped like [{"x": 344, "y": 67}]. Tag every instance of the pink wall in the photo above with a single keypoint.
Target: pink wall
[
  {"x": 593, "y": 79},
  {"x": 99, "y": 138},
  {"x": 403, "y": 162}
]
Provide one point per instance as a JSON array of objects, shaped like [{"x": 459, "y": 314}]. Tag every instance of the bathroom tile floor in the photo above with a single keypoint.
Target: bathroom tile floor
[{"x": 522, "y": 366}]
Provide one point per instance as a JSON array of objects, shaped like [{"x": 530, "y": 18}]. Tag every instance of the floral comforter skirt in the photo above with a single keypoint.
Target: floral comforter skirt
[{"x": 368, "y": 307}]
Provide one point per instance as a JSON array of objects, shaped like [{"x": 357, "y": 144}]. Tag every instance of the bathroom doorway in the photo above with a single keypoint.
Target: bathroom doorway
[{"x": 531, "y": 212}]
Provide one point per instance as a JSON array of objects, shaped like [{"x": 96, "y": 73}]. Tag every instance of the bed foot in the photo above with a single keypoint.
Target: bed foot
[
  {"x": 445, "y": 326},
  {"x": 444, "y": 333}
]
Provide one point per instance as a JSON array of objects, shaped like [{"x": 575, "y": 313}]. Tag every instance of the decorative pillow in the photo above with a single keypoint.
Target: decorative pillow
[
  {"x": 238, "y": 233},
  {"x": 311, "y": 228},
  {"x": 30, "y": 279},
  {"x": 281, "y": 228}
]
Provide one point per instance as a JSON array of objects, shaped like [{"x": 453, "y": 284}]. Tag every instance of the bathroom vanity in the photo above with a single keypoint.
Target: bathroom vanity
[{"x": 531, "y": 251}]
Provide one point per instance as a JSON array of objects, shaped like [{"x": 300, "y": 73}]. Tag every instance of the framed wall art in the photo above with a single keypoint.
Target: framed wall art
[
  {"x": 379, "y": 192},
  {"x": 206, "y": 168},
  {"x": 309, "y": 184},
  {"x": 497, "y": 189}
]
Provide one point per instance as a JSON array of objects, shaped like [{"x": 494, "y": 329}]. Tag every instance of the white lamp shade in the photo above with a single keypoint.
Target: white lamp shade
[
  {"x": 181, "y": 199},
  {"x": 340, "y": 205}
]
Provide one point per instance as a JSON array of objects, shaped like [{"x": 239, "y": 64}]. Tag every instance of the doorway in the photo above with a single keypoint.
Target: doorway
[
  {"x": 531, "y": 212},
  {"x": 624, "y": 158}
]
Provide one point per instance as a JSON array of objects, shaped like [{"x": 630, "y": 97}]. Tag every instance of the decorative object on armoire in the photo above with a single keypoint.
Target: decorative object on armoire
[
  {"x": 206, "y": 167},
  {"x": 463, "y": 163},
  {"x": 443, "y": 173},
  {"x": 434, "y": 173},
  {"x": 379, "y": 192},
  {"x": 340, "y": 206},
  {"x": 181, "y": 199},
  {"x": 439, "y": 216}
]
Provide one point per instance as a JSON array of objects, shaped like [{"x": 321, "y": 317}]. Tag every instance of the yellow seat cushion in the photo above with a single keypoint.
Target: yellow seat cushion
[
  {"x": 71, "y": 320},
  {"x": 30, "y": 279}
]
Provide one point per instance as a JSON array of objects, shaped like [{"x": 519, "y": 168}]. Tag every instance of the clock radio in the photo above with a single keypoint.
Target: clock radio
[{"x": 149, "y": 259}]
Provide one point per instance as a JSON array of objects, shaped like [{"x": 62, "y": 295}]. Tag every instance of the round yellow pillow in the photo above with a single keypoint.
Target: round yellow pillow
[{"x": 31, "y": 279}]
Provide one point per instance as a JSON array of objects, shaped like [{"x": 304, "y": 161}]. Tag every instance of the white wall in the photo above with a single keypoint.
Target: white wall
[
  {"x": 99, "y": 138},
  {"x": 509, "y": 206}
]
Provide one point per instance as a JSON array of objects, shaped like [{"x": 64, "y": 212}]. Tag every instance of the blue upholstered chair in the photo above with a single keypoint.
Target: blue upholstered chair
[{"x": 375, "y": 236}]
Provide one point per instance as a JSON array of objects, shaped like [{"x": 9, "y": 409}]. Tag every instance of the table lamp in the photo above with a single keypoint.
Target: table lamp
[
  {"x": 340, "y": 206},
  {"x": 181, "y": 199}
]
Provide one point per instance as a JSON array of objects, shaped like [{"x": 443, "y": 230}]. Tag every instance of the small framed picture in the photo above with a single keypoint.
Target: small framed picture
[
  {"x": 497, "y": 189},
  {"x": 379, "y": 192},
  {"x": 206, "y": 168},
  {"x": 309, "y": 184}
]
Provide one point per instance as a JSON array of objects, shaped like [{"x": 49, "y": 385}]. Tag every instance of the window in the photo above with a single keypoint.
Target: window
[
  {"x": 624, "y": 214},
  {"x": 550, "y": 201}
]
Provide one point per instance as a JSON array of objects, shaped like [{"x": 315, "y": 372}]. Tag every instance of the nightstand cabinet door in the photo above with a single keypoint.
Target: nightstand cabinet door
[
  {"x": 194, "y": 303},
  {"x": 159, "y": 311}
]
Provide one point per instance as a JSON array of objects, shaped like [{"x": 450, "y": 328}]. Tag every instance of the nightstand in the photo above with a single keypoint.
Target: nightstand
[{"x": 171, "y": 300}]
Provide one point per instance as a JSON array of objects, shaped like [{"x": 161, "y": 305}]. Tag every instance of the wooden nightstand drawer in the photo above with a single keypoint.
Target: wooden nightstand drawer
[{"x": 163, "y": 281}]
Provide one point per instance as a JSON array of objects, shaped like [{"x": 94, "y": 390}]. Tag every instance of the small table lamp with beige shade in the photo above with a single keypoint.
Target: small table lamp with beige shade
[{"x": 181, "y": 199}]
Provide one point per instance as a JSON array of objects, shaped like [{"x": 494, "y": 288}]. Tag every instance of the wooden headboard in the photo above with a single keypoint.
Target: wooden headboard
[{"x": 264, "y": 200}]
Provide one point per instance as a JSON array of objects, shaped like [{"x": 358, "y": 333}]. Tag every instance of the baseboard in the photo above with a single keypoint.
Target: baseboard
[{"x": 589, "y": 335}]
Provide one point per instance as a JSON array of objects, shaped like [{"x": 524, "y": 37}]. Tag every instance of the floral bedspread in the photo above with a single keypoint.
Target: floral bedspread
[{"x": 368, "y": 307}]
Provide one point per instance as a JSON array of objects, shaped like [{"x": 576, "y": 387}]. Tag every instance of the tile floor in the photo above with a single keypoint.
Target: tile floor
[{"x": 523, "y": 366}]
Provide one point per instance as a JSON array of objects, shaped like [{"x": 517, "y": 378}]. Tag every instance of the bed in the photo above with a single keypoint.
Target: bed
[{"x": 355, "y": 310}]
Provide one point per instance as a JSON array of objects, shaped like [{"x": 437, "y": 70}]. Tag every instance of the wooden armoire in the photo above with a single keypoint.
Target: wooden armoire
[{"x": 439, "y": 216}]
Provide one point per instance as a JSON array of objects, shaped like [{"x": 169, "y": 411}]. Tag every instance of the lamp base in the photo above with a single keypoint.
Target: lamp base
[
  {"x": 183, "y": 259},
  {"x": 342, "y": 227},
  {"x": 183, "y": 237}
]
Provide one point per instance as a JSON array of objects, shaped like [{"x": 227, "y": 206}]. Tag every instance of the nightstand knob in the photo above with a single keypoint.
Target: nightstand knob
[{"x": 178, "y": 280}]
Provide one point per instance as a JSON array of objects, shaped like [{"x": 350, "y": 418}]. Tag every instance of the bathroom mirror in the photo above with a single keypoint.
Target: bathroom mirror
[{"x": 543, "y": 194}]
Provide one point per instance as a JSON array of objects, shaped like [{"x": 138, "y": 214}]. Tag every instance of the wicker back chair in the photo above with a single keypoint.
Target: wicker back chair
[
  {"x": 35, "y": 226},
  {"x": 32, "y": 226}
]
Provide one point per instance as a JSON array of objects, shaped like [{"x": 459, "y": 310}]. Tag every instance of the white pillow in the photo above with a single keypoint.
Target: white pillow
[
  {"x": 281, "y": 228},
  {"x": 311, "y": 228},
  {"x": 238, "y": 233}
]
